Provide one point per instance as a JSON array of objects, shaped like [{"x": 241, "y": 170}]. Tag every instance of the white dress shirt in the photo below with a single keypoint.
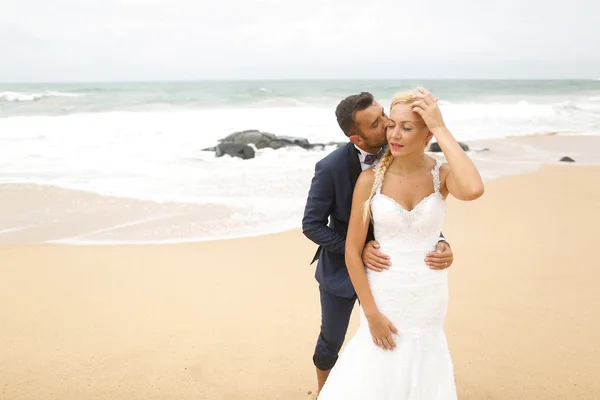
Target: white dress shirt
[{"x": 361, "y": 157}]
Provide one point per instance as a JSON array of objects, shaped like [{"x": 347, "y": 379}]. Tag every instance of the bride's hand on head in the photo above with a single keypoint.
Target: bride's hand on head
[
  {"x": 381, "y": 330},
  {"x": 426, "y": 106}
]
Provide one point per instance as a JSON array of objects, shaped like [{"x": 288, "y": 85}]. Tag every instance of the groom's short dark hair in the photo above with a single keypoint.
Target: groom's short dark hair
[{"x": 348, "y": 107}]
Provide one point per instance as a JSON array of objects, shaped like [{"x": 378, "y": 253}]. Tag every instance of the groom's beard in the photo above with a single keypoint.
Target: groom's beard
[{"x": 378, "y": 144}]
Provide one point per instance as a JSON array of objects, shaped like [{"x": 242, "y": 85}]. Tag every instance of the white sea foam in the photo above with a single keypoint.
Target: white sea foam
[
  {"x": 35, "y": 96},
  {"x": 157, "y": 156}
]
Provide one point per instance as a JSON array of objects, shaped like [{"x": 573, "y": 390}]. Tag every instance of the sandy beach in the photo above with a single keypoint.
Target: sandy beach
[{"x": 238, "y": 319}]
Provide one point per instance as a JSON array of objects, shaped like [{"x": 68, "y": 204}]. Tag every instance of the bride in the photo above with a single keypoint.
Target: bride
[{"x": 400, "y": 349}]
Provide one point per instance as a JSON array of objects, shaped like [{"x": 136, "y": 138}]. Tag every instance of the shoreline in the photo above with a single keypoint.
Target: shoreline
[{"x": 51, "y": 214}]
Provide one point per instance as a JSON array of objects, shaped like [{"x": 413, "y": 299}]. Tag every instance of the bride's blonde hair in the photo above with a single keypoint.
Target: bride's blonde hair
[{"x": 401, "y": 98}]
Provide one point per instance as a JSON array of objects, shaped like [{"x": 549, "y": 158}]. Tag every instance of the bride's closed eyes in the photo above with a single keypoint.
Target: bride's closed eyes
[{"x": 404, "y": 127}]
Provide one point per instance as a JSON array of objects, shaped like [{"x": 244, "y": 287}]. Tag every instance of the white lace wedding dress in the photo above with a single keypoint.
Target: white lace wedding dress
[{"x": 414, "y": 297}]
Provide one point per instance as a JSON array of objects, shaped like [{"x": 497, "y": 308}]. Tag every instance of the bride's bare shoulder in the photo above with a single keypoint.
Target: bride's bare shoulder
[
  {"x": 366, "y": 178},
  {"x": 443, "y": 168},
  {"x": 432, "y": 162},
  {"x": 444, "y": 171}
]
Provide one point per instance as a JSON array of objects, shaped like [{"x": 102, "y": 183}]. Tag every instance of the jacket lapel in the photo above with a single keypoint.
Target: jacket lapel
[{"x": 354, "y": 164}]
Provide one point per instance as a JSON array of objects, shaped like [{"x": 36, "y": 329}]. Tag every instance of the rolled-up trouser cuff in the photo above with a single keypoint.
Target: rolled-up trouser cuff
[{"x": 324, "y": 363}]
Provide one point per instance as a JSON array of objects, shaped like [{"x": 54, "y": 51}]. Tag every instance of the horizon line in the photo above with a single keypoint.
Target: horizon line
[{"x": 285, "y": 80}]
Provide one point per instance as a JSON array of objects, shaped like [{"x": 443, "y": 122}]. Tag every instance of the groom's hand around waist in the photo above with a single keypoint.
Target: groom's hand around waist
[
  {"x": 373, "y": 258},
  {"x": 441, "y": 258}
]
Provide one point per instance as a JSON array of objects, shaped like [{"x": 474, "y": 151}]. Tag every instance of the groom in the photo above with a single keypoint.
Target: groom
[{"x": 364, "y": 122}]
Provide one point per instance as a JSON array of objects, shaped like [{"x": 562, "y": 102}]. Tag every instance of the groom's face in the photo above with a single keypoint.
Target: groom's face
[{"x": 371, "y": 126}]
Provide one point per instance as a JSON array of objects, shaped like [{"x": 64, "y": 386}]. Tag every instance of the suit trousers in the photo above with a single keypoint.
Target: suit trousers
[{"x": 335, "y": 318}]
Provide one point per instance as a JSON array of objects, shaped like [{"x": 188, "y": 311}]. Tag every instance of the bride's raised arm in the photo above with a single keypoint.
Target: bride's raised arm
[{"x": 462, "y": 179}]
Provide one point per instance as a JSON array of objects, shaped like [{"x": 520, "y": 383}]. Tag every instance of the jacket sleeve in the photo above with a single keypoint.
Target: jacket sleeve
[
  {"x": 443, "y": 239},
  {"x": 320, "y": 203}
]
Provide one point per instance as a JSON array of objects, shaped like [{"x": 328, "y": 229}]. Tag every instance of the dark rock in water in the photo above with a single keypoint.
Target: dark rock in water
[
  {"x": 242, "y": 151},
  {"x": 259, "y": 139},
  {"x": 337, "y": 144},
  {"x": 293, "y": 141},
  {"x": 435, "y": 147},
  {"x": 567, "y": 159},
  {"x": 268, "y": 140},
  {"x": 238, "y": 144}
]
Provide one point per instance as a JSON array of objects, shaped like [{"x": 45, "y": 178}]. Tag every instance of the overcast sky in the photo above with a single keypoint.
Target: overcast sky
[{"x": 115, "y": 40}]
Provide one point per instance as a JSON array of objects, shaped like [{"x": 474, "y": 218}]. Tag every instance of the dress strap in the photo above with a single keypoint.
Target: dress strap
[{"x": 436, "y": 176}]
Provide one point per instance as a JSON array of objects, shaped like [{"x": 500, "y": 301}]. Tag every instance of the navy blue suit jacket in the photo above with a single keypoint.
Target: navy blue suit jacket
[{"x": 327, "y": 214}]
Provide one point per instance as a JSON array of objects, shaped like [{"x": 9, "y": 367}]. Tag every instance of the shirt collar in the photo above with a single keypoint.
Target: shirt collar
[{"x": 362, "y": 154}]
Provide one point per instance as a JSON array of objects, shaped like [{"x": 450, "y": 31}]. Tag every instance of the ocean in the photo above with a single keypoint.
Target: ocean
[{"x": 144, "y": 141}]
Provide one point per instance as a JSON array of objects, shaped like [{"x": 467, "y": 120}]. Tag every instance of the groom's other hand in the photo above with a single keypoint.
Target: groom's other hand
[
  {"x": 441, "y": 258},
  {"x": 375, "y": 259}
]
